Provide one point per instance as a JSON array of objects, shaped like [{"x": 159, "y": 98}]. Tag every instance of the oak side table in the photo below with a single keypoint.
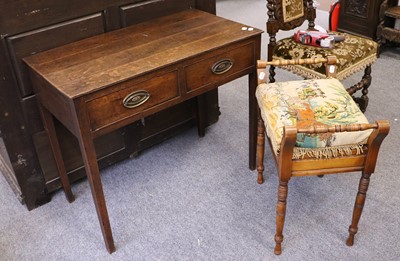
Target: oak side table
[{"x": 105, "y": 82}]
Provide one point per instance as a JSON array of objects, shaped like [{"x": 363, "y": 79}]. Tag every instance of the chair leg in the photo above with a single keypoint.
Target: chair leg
[
  {"x": 364, "y": 85},
  {"x": 280, "y": 215},
  {"x": 272, "y": 74},
  {"x": 358, "y": 207},
  {"x": 260, "y": 150},
  {"x": 367, "y": 82}
]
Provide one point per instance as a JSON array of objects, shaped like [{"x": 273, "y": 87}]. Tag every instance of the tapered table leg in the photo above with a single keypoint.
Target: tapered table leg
[
  {"x": 92, "y": 171},
  {"x": 55, "y": 147},
  {"x": 253, "y": 112},
  {"x": 201, "y": 115}
]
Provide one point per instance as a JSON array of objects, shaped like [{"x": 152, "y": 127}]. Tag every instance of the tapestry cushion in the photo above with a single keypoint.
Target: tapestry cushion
[
  {"x": 306, "y": 103},
  {"x": 353, "y": 54}
]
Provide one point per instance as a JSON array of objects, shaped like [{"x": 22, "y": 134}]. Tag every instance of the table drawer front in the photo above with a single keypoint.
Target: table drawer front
[
  {"x": 216, "y": 68},
  {"x": 132, "y": 99}
]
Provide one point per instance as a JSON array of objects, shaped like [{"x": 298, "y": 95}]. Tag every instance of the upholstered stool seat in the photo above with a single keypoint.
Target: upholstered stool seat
[
  {"x": 354, "y": 54},
  {"x": 311, "y": 103},
  {"x": 314, "y": 127}
]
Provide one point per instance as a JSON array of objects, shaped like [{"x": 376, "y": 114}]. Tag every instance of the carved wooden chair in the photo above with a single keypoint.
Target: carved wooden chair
[
  {"x": 314, "y": 127},
  {"x": 354, "y": 54}
]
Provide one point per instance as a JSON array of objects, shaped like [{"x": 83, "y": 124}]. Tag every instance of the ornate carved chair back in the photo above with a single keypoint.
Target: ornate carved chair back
[
  {"x": 287, "y": 15},
  {"x": 354, "y": 53}
]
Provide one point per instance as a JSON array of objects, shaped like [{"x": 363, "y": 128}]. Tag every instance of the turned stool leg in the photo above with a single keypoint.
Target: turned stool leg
[
  {"x": 260, "y": 149},
  {"x": 280, "y": 215},
  {"x": 358, "y": 207}
]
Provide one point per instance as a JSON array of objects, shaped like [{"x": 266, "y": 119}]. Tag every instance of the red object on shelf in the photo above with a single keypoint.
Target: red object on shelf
[{"x": 334, "y": 16}]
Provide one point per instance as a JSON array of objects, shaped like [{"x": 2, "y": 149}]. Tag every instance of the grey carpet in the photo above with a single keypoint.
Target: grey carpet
[{"x": 193, "y": 198}]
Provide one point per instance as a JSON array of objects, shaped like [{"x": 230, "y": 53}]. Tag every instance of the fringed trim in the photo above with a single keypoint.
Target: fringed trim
[
  {"x": 356, "y": 67},
  {"x": 328, "y": 152},
  {"x": 310, "y": 74},
  {"x": 318, "y": 153}
]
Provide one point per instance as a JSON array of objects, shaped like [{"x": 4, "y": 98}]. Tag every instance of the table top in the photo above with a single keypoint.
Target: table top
[{"x": 95, "y": 63}]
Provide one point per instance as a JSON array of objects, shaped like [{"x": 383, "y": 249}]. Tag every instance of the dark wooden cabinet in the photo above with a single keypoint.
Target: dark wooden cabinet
[
  {"x": 359, "y": 17},
  {"x": 29, "y": 27},
  {"x": 388, "y": 29}
]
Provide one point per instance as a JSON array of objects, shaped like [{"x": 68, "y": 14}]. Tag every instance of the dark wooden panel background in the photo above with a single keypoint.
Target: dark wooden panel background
[
  {"x": 28, "y": 27},
  {"x": 359, "y": 17}
]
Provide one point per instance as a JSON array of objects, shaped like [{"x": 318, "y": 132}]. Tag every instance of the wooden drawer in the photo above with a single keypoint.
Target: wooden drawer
[
  {"x": 112, "y": 108},
  {"x": 219, "y": 67}
]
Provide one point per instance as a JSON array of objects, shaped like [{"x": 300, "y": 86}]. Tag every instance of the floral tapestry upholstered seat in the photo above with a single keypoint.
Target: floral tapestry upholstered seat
[
  {"x": 311, "y": 103},
  {"x": 353, "y": 54}
]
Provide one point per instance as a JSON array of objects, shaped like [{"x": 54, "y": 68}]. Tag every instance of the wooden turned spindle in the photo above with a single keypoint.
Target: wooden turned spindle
[
  {"x": 272, "y": 74},
  {"x": 295, "y": 61},
  {"x": 337, "y": 128},
  {"x": 280, "y": 215},
  {"x": 358, "y": 208},
  {"x": 260, "y": 150}
]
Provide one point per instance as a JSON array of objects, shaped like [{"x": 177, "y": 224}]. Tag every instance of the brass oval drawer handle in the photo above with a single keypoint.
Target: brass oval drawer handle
[
  {"x": 222, "y": 66},
  {"x": 135, "y": 99}
]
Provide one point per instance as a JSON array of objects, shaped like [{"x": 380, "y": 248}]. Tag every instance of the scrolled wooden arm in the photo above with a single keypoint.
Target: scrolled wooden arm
[
  {"x": 380, "y": 131},
  {"x": 330, "y": 62},
  {"x": 339, "y": 128},
  {"x": 382, "y": 126}
]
